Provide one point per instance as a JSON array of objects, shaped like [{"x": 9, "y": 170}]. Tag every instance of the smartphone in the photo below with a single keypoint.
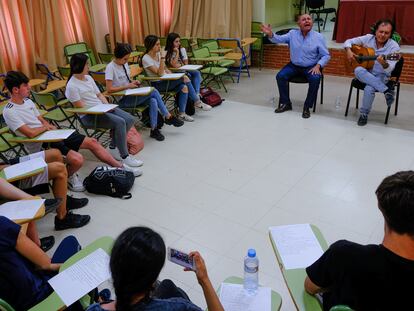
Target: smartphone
[{"x": 180, "y": 258}]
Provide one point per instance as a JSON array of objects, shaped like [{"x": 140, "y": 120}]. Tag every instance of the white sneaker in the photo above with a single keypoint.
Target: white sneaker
[
  {"x": 202, "y": 105},
  {"x": 132, "y": 162},
  {"x": 75, "y": 184},
  {"x": 137, "y": 172},
  {"x": 185, "y": 117},
  {"x": 115, "y": 153}
]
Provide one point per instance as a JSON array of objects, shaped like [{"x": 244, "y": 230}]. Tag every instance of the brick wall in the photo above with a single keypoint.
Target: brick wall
[{"x": 276, "y": 56}]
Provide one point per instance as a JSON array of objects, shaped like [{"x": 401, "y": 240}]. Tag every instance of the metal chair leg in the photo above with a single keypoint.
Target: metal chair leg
[
  {"x": 387, "y": 115},
  {"x": 357, "y": 99},
  {"x": 349, "y": 100},
  {"x": 397, "y": 99}
]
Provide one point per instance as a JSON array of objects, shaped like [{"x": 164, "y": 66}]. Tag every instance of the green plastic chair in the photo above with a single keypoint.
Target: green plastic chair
[
  {"x": 80, "y": 47},
  {"x": 211, "y": 71},
  {"x": 106, "y": 58},
  {"x": 64, "y": 72},
  {"x": 256, "y": 27},
  {"x": 341, "y": 308},
  {"x": 55, "y": 109},
  {"x": 140, "y": 48},
  {"x": 163, "y": 41},
  {"x": 185, "y": 43},
  {"x": 6, "y": 146},
  {"x": 258, "y": 47},
  {"x": 201, "y": 41},
  {"x": 4, "y": 306},
  {"x": 53, "y": 302}
]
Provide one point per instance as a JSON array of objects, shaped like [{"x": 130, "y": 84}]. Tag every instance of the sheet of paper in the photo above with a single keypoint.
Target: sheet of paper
[
  {"x": 24, "y": 168},
  {"x": 102, "y": 108},
  {"x": 83, "y": 276},
  {"x": 172, "y": 76},
  {"x": 191, "y": 67},
  {"x": 22, "y": 209},
  {"x": 138, "y": 91},
  {"x": 297, "y": 245},
  {"x": 55, "y": 134},
  {"x": 233, "y": 297}
]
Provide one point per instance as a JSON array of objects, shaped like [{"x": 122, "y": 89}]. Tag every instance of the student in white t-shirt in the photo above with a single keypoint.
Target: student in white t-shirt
[
  {"x": 176, "y": 57},
  {"x": 154, "y": 66},
  {"x": 82, "y": 91},
  {"x": 23, "y": 118},
  {"x": 117, "y": 76}
]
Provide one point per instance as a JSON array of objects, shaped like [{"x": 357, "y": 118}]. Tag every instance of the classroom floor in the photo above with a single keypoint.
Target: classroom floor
[{"x": 217, "y": 184}]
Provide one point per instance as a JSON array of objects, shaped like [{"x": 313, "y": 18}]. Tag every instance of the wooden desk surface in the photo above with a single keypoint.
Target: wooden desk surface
[
  {"x": 36, "y": 82},
  {"x": 54, "y": 86},
  {"x": 247, "y": 41},
  {"x": 19, "y": 139},
  {"x": 136, "y": 70}
]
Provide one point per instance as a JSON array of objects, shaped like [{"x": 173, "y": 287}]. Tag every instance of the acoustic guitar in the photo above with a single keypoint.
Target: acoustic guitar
[{"x": 365, "y": 57}]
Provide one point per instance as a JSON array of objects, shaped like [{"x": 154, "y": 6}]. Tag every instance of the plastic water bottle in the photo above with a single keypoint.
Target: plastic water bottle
[
  {"x": 251, "y": 272},
  {"x": 338, "y": 102}
]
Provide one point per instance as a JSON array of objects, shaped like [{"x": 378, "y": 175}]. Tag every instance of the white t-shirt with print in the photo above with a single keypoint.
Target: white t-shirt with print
[
  {"x": 148, "y": 61},
  {"x": 116, "y": 74},
  {"x": 85, "y": 90},
  {"x": 17, "y": 115}
]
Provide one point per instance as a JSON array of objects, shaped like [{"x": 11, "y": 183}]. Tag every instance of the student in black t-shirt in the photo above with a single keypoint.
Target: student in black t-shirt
[{"x": 373, "y": 277}]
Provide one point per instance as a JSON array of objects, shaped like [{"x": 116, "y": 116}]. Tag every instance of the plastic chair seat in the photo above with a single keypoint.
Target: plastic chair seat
[
  {"x": 57, "y": 115},
  {"x": 226, "y": 62},
  {"x": 6, "y": 146},
  {"x": 216, "y": 71}
]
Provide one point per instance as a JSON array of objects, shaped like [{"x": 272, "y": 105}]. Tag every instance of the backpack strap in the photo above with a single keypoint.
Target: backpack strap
[{"x": 126, "y": 73}]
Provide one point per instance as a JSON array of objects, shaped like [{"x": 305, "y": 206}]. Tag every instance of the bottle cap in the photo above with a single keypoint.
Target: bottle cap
[{"x": 251, "y": 252}]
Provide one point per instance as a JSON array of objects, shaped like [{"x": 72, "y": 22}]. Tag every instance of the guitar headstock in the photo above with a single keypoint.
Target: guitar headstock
[{"x": 393, "y": 56}]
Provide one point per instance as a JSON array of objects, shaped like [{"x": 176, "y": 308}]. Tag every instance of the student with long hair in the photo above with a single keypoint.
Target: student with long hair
[
  {"x": 153, "y": 63},
  {"x": 136, "y": 261},
  {"x": 82, "y": 91},
  {"x": 117, "y": 76},
  {"x": 176, "y": 57}
]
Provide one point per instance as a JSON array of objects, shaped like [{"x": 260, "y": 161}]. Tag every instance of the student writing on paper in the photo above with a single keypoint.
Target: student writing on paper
[
  {"x": 176, "y": 57},
  {"x": 373, "y": 277},
  {"x": 153, "y": 63},
  {"x": 57, "y": 174},
  {"x": 82, "y": 91},
  {"x": 117, "y": 76},
  {"x": 23, "y": 118},
  {"x": 25, "y": 268},
  {"x": 136, "y": 261}
]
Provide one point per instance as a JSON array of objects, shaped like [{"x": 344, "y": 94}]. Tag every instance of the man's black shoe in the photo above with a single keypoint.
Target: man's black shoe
[
  {"x": 47, "y": 243},
  {"x": 306, "y": 113},
  {"x": 52, "y": 204},
  {"x": 71, "y": 221},
  {"x": 283, "y": 108},
  {"x": 75, "y": 203},
  {"x": 174, "y": 121},
  {"x": 363, "y": 119},
  {"x": 155, "y": 133}
]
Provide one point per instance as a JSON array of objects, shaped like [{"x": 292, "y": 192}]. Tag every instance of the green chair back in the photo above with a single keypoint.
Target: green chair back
[
  {"x": 80, "y": 47},
  {"x": 341, "y": 308},
  {"x": 47, "y": 101},
  {"x": 211, "y": 44},
  {"x": 140, "y": 48},
  {"x": 201, "y": 52},
  {"x": 256, "y": 27},
  {"x": 163, "y": 41},
  {"x": 4, "y": 306},
  {"x": 200, "y": 41},
  {"x": 106, "y": 58},
  {"x": 64, "y": 72}
]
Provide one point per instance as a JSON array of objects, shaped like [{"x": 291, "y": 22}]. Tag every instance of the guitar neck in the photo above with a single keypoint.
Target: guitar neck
[{"x": 365, "y": 58}]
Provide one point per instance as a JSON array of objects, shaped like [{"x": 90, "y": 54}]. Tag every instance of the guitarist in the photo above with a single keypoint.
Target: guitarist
[{"x": 376, "y": 78}]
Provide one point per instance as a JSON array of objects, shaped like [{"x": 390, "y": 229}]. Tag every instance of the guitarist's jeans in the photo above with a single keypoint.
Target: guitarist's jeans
[
  {"x": 374, "y": 83},
  {"x": 290, "y": 71}
]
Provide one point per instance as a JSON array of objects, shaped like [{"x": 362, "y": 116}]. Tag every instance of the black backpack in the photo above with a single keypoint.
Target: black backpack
[{"x": 115, "y": 182}]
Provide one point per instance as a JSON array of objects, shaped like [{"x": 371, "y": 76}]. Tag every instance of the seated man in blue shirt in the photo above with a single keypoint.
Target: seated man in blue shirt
[
  {"x": 376, "y": 79},
  {"x": 308, "y": 55}
]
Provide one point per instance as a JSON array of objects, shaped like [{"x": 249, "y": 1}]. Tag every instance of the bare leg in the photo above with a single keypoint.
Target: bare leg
[
  {"x": 59, "y": 176},
  {"x": 99, "y": 151},
  {"x": 53, "y": 155},
  {"x": 74, "y": 162}
]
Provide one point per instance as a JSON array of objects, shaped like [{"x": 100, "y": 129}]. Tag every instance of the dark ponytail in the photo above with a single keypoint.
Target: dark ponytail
[
  {"x": 149, "y": 43},
  {"x": 169, "y": 47},
  {"x": 137, "y": 258}
]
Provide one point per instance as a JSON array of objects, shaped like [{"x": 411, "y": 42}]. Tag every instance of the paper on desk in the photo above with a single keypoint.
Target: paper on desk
[
  {"x": 24, "y": 168},
  {"x": 138, "y": 91},
  {"x": 191, "y": 67},
  {"x": 55, "y": 134},
  {"x": 172, "y": 76},
  {"x": 297, "y": 245},
  {"x": 83, "y": 276},
  {"x": 23, "y": 209},
  {"x": 233, "y": 297},
  {"x": 102, "y": 108}
]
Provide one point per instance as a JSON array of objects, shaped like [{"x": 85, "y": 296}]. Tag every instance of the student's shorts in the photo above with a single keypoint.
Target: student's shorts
[
  {"x": 39, "y": 179},
  {"x": 73, "y": 142}
]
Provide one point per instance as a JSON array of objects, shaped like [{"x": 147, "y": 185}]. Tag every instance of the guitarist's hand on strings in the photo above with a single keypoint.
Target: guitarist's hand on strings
[
  {"x": 382, "y": 61},
  {"x": 316, "y": 70},
  {"x": 350, "y": 55}
]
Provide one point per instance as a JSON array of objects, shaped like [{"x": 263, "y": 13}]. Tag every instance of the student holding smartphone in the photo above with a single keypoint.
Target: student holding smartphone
[{"x": 136, "y": 261}]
